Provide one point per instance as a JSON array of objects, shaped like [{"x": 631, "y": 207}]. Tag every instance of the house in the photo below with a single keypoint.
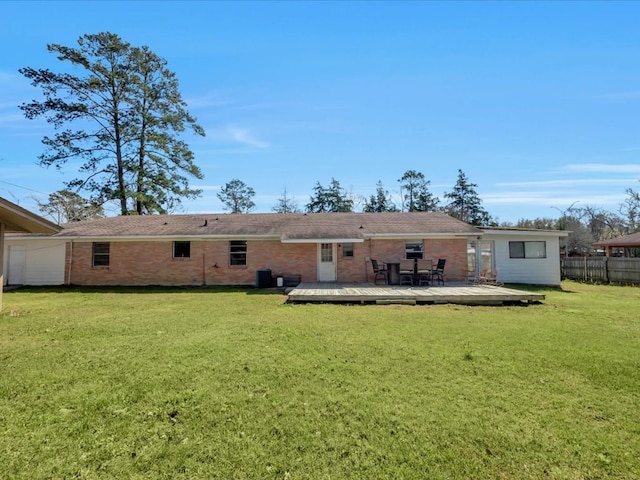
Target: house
[
  {"x": 14, "y": 218},
  {"x": 231, "y": 248},
  {"x": 625, "y": 245},
  {"x": 240, "y": 249}
]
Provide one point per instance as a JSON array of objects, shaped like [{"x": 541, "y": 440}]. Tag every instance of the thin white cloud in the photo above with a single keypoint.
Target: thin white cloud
[
  {"x": 225, "y": 101},
  {"x": 207, "y": 188},
  {"x": 602, "y": 168},
  {"x": 568, "y": 183},
  {"x": 244, "y": 136},
  {"x": 208, "y": 100},
  {"x": 629, "y": 95},
  {"x": 227, "y": 139},
  {"x": 543, "y": 198},
  {"x": 9, "y": 78},
  {"x": 11, "y": 119}
]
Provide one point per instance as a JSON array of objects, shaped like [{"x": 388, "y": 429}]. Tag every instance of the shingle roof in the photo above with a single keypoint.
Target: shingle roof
[
  {"x": 17, "y": 219},
  {"x": 632, "y": 240},
  {"x": 290, "y": 227}
]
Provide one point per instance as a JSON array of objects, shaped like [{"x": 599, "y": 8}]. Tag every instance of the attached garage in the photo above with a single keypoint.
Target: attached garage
[
  {"x": 15, "y": 219},
  {"x": 33, "y": 260}
]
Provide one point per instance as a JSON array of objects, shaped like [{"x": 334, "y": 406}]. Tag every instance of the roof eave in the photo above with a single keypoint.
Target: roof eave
[
  {"x": 158, "y": 238},
  {"x": 544, "y": 233},
  {"x": 322, "y": 240},
  {"x": 412, "y": 236},
  {"x": 17, "y": 219}
]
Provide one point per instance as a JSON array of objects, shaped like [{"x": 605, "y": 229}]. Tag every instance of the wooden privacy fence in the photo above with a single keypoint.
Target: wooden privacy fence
[{"x": 601, "y": 269}]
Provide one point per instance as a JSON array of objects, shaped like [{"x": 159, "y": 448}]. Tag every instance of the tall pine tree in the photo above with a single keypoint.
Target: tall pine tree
[
  {"x": 329, "y": 199},
  {"x": 124, "y": 117},
  {"x": 465, "y": 203},
  {"x": 416, "y": 195},
  {"x": 380, "y": 202}
]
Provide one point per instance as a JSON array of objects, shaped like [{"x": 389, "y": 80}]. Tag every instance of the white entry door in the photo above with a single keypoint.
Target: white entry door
[
  {"x": 327, "y": 262},
  {"x": 16, "y": 264}
]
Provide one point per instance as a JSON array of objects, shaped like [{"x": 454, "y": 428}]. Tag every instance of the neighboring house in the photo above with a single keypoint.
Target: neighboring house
[
  {"x": 14, "y": 218},
  {"x": 235, "y": 249},
  {"x": 624, "y": 246},
  {"x": 519, "y": 256}
]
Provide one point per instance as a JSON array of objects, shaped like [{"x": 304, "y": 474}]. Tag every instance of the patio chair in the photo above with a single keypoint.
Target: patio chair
[
  {"x": 424, "y": 272},
  {"x": 379, "y": 272},
  {"x": 438, "y": 272},
  {"x": 406, "y": 272},
  {"x": 488, "y": 277}
]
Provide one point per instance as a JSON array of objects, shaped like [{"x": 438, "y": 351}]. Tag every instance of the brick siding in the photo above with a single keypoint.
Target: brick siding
[{"x": 152, "y": 262}]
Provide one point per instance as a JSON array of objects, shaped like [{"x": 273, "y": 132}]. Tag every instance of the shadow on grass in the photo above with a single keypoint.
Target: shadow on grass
[
  {"x": 152, "y": 289},
  {"x": 537, "y": 288}
]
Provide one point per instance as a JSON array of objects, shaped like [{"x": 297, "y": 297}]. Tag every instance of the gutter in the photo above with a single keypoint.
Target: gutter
[
  {"x": 420, "y": 236},
  {"x": 322, "y": 240},
  {"x": 157, "y": 238}
]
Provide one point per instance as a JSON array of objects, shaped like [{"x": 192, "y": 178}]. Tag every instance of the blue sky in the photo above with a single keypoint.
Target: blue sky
[{"x": 537, "y": 102}]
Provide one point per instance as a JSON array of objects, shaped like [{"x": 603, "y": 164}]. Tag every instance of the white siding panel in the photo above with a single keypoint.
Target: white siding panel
[
  {"x": 534, "y": 271},
  {"x": 44, "y": 260}
]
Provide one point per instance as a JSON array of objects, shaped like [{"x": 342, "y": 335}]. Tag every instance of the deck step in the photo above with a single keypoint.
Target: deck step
[{"x": 395, "y": 301}]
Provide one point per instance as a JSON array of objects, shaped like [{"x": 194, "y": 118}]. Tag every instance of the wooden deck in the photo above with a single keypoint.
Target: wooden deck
[{"x": 389, "y": 294}]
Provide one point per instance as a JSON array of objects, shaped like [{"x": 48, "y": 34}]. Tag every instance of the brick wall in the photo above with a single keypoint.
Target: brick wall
[
  {"x": 454, "y": 250},
  {"x": 152, "y": 262},
  {"x": 353, "y": 269}
]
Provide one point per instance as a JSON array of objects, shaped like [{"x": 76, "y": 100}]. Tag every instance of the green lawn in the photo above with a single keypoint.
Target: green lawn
[{"x": 235, "y": 384}]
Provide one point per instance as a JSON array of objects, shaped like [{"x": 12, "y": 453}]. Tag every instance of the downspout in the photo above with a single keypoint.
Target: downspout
[
  {"x": 366, "y": 269},
  {"x": 2, "y": 228},
  {"x": 204, "y": 271},
  {"x": 70, "y": 262}
]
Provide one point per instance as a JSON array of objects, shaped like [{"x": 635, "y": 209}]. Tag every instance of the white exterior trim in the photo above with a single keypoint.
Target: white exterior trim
[
  {"x": 323, "y": 240},
  {"x": 420, "y": 236}
]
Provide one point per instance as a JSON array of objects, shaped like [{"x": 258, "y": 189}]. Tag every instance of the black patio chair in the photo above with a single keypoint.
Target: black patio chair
[
  {"x": 379, "y": 272},
  {"x": 437, "y": 274}
]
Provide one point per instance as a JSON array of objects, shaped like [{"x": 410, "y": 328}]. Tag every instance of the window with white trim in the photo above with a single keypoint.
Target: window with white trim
[
  {"x": 347, "y": 249},
  {"x": 238, "y": 252},
  {"x": 100, "y": 254},
  {"x": 181, "y": 249},
  {"x": 413, "y": 250},
  {"x": 531, "y": 249},
  {"x": 326, "y": 252}
]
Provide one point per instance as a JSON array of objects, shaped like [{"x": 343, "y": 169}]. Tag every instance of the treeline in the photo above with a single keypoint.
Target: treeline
[
  {"x": 587, "y": 224},
  {"x": 462, "y": 202}
]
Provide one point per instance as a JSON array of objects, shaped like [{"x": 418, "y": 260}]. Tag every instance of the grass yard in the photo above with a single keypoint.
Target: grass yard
[{"x": 235, "y": 384}]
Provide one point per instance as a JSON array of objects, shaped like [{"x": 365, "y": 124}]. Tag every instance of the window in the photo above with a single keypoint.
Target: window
[
  {"x": 100, "y": 254},
  {"x": 326, "y": 252},
  {"x": 181, "y": 249},
  {"x": 480, "y": 256},
  {"x": 528, "y": 249},
  {"x": 347, "y": 249},
  {"x": 238, "y": 252},
  {"x": 413, "y": 250}
]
